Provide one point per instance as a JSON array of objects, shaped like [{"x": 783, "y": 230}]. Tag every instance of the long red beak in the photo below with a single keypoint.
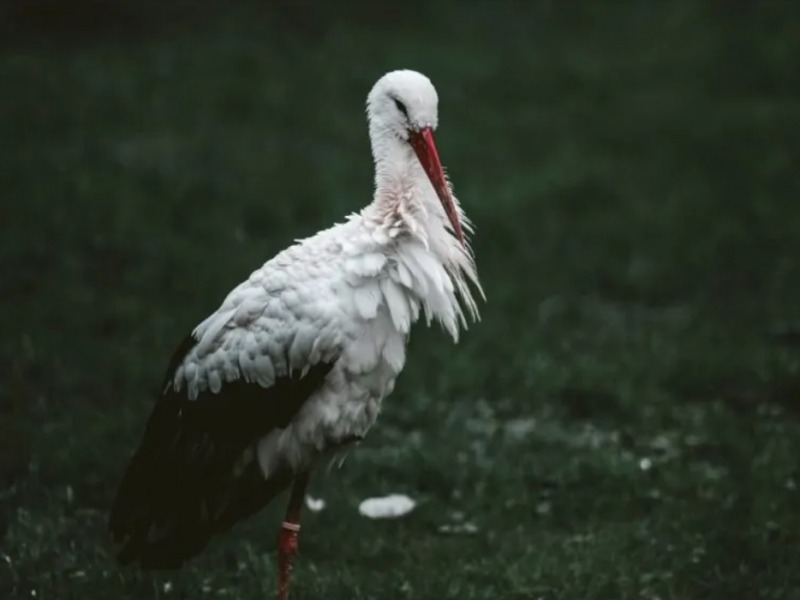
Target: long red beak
[{"x": 425, "y": 149}]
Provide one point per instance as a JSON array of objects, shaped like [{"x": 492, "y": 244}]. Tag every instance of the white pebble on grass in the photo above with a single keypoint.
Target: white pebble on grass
[
  {"x": 315, "y": 504},
  {"x": 387, "y": 507}
]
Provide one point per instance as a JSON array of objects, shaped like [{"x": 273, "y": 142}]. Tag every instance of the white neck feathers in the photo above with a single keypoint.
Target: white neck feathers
[{"x": 425, "y": 260}]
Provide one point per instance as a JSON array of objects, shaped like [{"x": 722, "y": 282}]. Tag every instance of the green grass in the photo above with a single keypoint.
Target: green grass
[{"x": 624, "y": 423}]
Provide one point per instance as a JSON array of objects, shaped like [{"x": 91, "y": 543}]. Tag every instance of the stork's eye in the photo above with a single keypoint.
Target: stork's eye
[{"x": 401, "y": 107}]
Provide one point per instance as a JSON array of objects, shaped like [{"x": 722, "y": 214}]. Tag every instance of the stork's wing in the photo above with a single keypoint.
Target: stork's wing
[{"x": 196, "y": 473}]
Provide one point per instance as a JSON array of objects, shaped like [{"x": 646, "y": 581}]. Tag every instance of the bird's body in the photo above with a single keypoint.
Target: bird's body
[
  {"x": 303, "y": 352},
  {"x": 347, "y": 296}
]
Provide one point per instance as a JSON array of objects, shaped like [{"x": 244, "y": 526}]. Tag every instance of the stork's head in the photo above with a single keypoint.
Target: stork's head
[
  {"x": 402, "y": 102},
  {"x": 403, "y": 106}
]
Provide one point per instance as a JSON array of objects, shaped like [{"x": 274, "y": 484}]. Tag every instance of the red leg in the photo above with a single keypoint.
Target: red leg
[{"x": 287, "y": 539}]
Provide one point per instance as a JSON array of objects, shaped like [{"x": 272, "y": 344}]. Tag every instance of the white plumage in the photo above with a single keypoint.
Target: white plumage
[
  {"x": 340, "y": 295},
  {"x": 346, "y": 296},
  {"x": 349, "y": 294}
]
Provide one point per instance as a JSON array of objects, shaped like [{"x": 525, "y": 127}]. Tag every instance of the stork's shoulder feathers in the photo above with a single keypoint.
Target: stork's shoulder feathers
[
  {"x": 312, "y": 300},
  {"x": 290, "y": 314}
]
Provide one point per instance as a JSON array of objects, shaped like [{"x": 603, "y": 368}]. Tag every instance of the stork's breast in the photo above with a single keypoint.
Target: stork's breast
[{"x": 376, "y": 347}]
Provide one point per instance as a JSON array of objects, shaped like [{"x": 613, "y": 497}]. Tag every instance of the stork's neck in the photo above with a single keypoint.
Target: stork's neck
[
  {"x": 406, "y": 203},
  {"x": 403, "y": 194},
  {"x": 396, "y": 166}
]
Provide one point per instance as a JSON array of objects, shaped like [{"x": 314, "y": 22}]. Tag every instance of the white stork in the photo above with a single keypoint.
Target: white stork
[{"x": 295, "y": 362}]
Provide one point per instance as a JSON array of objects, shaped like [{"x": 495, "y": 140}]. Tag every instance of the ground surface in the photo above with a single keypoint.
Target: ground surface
[{"x": 622, "y": 424}]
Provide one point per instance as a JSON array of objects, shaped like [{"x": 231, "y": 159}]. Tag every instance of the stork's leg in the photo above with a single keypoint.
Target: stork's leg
[{"x": 287, "y": 539}]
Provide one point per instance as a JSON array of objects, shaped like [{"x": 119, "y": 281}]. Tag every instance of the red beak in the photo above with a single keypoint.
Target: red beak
[{"x": 425, "y": 149}]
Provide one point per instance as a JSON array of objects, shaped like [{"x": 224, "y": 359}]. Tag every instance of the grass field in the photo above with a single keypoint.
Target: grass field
[{"x": 625, "y": 421}]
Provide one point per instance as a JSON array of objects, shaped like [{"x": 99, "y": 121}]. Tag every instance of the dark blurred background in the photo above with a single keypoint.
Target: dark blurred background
[{"x": 624, "y": 421}]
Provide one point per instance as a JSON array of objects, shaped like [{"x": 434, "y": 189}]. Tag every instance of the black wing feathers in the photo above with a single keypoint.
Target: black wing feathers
[{"x": 195, "y": 473}]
